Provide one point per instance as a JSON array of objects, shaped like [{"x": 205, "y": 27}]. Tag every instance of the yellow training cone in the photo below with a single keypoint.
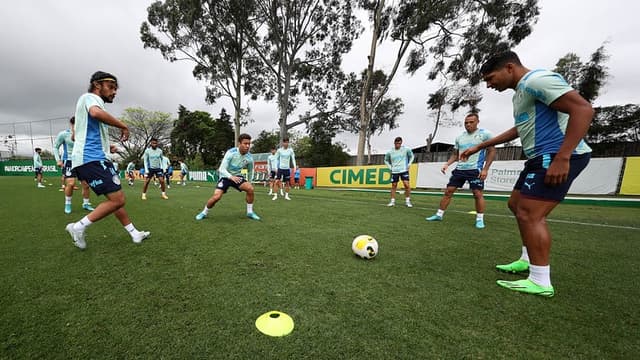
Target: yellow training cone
[
  {"x": 275, "y": 323},
  {"x": 472, "y": 212}
]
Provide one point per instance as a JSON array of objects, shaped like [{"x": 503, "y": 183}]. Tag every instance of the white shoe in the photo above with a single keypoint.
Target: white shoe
[
  {"x": 281, "y": 192},
  {"x": 286, "y": 197},
  {"x": 41, "y": 186},
  {"x": 139, "y": 236},
  {"x": 275, "y": 197},
  {"x": 270, "y": 193},
  {"x": 77, "y": 236},
  {"x": 390, "y": 204},
  {"x": 409, "y": 205}
]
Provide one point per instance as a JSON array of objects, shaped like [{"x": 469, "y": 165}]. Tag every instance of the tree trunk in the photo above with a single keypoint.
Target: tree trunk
[{"x": 364, "y": 112}]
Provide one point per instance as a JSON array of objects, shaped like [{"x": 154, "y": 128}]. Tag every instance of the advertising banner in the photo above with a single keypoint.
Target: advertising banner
[
  {"x": 600, "y": 177},
  {"x": 631, "y": 179},
  {"x": 25, "y": 168},
  {"x": 374, "y": 176}
]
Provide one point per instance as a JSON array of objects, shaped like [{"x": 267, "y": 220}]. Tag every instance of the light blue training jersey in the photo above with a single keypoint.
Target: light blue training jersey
[
  {"x": 398, "y": 160},
  {"x": 183, "y": 167},
  {"x": 152, "y": 158},
  {"x": 37, "y": 160},
  {"x": 541, "y": 128},
  {"x": 92, "y": 135},
  {"x": 63, "y": 139},
  {"x": 465, "y": 141},
  {"x": 285, "y": 158},
  {"x": 165, "y": 163},
  {"x": 233, "y": 163},
  {"x": 272, "y": 162}
]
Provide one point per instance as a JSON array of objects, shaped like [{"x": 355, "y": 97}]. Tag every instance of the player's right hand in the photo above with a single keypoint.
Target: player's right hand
[
  {"x": 468, "y": 152},
  {"x": 444, "y": 168},
  {"x": 124, "y": 134},
  {"x": 60, "y": 163}
]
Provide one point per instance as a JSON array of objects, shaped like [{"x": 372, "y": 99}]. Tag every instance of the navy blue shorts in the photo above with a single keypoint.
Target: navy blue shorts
[
  {"x": 531, "y": 180},
  {"x": 404, "y": 176},
  {"x": 284, "y": 174},
  {"x": 272, "y": 175},
  {"x": 67, "y": 171},
  {"x": 38, "y": 170},
  {"x": 459, "y": 177},
  {"x": 158, "y": 173},
  {"x": 225, "y": 183},
  {"x": 100, "y": 175}
]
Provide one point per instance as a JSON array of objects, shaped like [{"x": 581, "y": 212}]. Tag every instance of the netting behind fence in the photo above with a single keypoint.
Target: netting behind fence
[{"x": 18, "y": 139}]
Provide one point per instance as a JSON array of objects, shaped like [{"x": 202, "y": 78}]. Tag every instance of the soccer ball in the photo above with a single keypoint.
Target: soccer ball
[{"x": 365, "y": 246}]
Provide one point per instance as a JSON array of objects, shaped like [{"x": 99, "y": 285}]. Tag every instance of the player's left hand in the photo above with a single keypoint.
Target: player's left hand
[
  {"x": 236, "y": 179},
  {"x": 557, "y": 173},
  {"x": 483, "y": 175}
]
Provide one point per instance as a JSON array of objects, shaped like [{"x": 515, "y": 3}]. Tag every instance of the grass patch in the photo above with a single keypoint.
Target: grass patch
[{"x": 195, "y": 289}]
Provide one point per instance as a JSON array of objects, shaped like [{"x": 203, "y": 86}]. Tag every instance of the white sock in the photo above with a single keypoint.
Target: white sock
[
  {"x": 85, "y": 201},
  {"x": 479, "y": 216},
  {"x": 440, "y": 212},
  {"x": 163, "y": 193},
  {"x": 82, "y": 224},
  {"x": 249, "y": 208},
  {"x": 525, "y": 254},
  {"x": 540, "y": 275},
  {"x": 131, "y": 229},
  {"x": 206, "y": 210},
  {"x": 393, "y": 201},
  {"x": 407, "y": 200},
  {"x": 67, "y": 200}
]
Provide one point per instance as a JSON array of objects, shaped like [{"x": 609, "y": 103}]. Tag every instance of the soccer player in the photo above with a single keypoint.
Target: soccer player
[
  {"x": 235, "y": 159},
  {"x": 474, "y": 170},
  {"x": 37, "y": 166},
  {"x": 184, "y": 171},
  {"x": 551, "y": 118},
  {"x": 131, "y": 167},
  {"x": 286, "y": 157},
  {"x": 168, "y": 170},
  {"x": 272, "y": 167},
  {"x": 398, "y": 160},
  {"x": 64, "y": 140},
  {"x": 296, "y": 178},
  {"x": 90, "y": 160},
  {"x": 152, "y": 159}
]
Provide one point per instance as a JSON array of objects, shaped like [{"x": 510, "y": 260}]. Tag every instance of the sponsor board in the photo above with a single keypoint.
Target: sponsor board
[{"x": 375, "y": 176}]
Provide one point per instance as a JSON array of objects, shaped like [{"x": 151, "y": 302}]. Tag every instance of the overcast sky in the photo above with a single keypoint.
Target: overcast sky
[{"x": 49, "y": 49}]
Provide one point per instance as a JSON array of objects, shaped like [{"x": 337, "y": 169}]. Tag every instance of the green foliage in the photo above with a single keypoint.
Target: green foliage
[
  {"x": 300, "y": 46},
  {"x": 197, "y": 133},
  {"x": 194, "y": 289},
  {"x": 318, "y": 150},
  {"x": 143, "y": 126},
  {"x": 265, "y": 141},
  {"x": 587, "y": 78},
  {"x": 617, "y": 123},
  {"x": 210, "y": 34}
]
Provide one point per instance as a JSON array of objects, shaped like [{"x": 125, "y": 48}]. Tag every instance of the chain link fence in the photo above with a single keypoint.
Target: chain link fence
[{"x": 19, "y": 139}]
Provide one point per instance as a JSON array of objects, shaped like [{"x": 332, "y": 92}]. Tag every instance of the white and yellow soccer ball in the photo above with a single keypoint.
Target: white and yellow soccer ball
[{"x": 365, "y": 246}]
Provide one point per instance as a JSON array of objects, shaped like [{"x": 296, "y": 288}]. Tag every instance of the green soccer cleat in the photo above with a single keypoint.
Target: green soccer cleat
[
  {"x": 479, "y": 224},
  {"x": 434, "y": 218},
  {"x": 201, "y": 216},
  {"x": 518, "y": 266},
  {"x": 67, "y": 208},
  {"x": 87, "y": 207},
  {"x": 253, "y": 216},
  {"x": 527, "y": 286}
]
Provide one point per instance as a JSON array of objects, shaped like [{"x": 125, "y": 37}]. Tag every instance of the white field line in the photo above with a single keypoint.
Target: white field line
[{"x": 492, "y": 215}]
